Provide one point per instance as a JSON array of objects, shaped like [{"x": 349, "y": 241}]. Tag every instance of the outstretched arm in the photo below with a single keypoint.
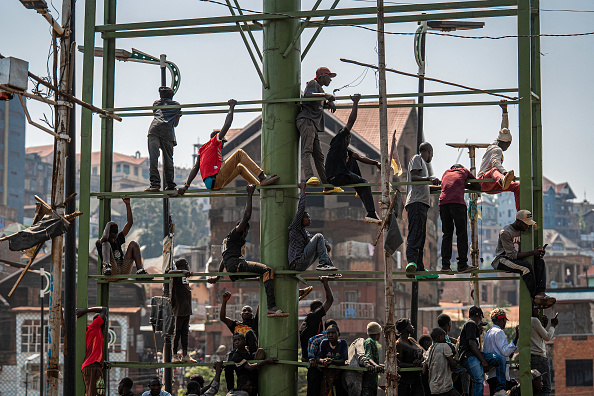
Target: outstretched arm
[
  {"x": 228, "y": 120},
  {"x": 366, "y": 160},
  {"x": 329, "y": 297},
  {"x": 191, "y": 177},
  {"x": 129, "y": 218},
  {"x": 102, "y": 311},
  {"x": 247, "y": 214},
  {"x": 223, "y": 313},
  {"x": 353, "y": 117},
  {"x": 504, "y": 115}
]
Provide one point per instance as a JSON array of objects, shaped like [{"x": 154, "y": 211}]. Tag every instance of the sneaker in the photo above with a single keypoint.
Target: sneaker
[
  {"x": 303, "y": 293},
  {"x": 152, "y": 189},
  {"x": 334, "y": 276},
  {"x": 141, "y": 271},
  {"x": 312, "y": 181},
  {"x": 372, "y": 218},
  {"x": 500, "y": 392},
  {"x": 445, "y": 268},
  {"x": 423, "y": 275},
  {"x": 545, "y": 301},
  {"x": 411, "y": 268},
  {"x": 506, "y": 180},
  {"x": 188, "y": 359},
  {"x": 175, "y": 359},
  {"x": 270, "y": 179},
  {"x": 107, "y": 269},
  {"x": 462, "y": 269},
  {"x": 326, "y": 267},
  {"x": 333, "y": 190}
]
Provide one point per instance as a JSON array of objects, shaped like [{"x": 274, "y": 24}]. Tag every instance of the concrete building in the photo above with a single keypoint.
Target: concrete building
[
  {"x": 340, "y": 218},
  {"x": 558, "y": 213},
  {"x": 12, "y": 156}
]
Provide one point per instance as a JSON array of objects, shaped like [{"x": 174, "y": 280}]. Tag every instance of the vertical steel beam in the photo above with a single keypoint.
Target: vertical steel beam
[
  {"x": 526, "y": 177},
  {"x": 536, "y": 121},
  {"x": 277, "y": 206},
  {"x": 86, "y": 131}
]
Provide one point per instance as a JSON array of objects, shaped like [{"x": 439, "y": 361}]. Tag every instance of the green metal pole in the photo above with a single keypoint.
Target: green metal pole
[
  {"x": 86, "y": 131},
  {"x": 536, "y": 122},
  {"x": 279, "y": 155},
  {"x": 527, "y": 183}
]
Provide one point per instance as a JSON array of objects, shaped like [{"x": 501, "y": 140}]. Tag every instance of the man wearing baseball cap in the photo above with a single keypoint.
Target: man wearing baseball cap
[
  {"x": 492, "y": 163},
  {"x": 310, "y": 122},
  {"x": 508, "y": 258},
  {"x": 495, "y": 341}
]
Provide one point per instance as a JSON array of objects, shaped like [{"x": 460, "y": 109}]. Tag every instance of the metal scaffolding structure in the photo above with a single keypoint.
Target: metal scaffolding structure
[{"x": 282, "y": 22}]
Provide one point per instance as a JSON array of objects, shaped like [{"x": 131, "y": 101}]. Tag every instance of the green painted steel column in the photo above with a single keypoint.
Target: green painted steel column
[
  {"x": 86, "y": 131},
  {"x": 536, "y": 122},
  {"x": 280, "y": 142},
  {"x": 527, "y": 181}
]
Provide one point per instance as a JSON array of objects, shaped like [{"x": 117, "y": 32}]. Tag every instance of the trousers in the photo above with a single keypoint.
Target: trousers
[
  {"x": 182, "y": 330},
  {"x": 542, "y": 364},
  {"x": 311, "y": 149},
  {"x": 417, "y": 225},
  {"x": 454, "y": 215},
  {"x": 314, "y": 250},
  {"x": 239, "y": 164},
  {"x": 477, "y": 374},
  {"x": 166, "y": 146},
  {"x": 535, "y": 276},
  {"x": 495, "y": 174}
]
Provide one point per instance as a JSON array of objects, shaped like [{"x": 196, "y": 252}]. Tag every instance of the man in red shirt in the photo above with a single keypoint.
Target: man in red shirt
[
  {"x": 217, "y": 174},
  {"x": 92, "y": 367},
  {"x": 453, "y": 213}
]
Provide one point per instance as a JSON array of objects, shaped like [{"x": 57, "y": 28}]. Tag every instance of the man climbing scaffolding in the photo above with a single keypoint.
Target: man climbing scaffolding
[
  {"x": 234, "y": 258},
  {"x": 492, "y": 163},
  {"x": 217, "y": 174}
]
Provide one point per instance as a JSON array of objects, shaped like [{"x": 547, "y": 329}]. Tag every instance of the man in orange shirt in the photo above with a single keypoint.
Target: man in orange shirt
[{"x": 92, "y": 367}]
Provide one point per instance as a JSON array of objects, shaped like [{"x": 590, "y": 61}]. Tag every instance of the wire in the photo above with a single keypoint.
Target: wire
[
  {"x": 361, "y": 78},
  {"x": 411, "y": 33}
]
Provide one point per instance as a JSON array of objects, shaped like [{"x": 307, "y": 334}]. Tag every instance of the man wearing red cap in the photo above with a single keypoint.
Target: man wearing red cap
[
  {"x": 508, "y": 258},
  {"x": 495, "y": 341},
  {"x": 310, "y": 122}
]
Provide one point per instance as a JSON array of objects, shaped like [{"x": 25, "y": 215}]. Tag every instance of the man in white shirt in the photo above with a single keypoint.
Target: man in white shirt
[
  {"x": 538, "y": 353},
  {"x": 495, "y": 341}
]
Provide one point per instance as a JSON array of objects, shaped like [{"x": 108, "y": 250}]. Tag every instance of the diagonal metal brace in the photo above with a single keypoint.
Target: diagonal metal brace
[
  {"x": 299, "y": 31},
  {"x": 249, "y": 30},
  {"x": 318, "y": 30},
  {"x": 248, "y": 47}
]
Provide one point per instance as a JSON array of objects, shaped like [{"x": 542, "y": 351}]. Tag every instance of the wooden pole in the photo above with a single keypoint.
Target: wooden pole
[
  {"x": 389, "y": 328},
  {"x": 474, "y": 248}
]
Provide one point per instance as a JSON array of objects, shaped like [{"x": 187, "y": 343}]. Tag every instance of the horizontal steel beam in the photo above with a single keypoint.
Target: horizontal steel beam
[
  {"x": 304, "y": 14},
  {"x": 312, "y": 24}
]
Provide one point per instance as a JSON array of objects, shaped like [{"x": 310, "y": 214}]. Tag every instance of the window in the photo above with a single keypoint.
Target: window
[
  {"x": 135, "y": 171},
  {"x": 94, "y": 171},
  {"x": 31, "y": 335},
  {"x": 578, "y": 372},
  {"x": 127, "y": 169},
  {"x": 115, "y": 336},
  {"x": 351, "y": 296},
  {"x": 118, "y": 168}
]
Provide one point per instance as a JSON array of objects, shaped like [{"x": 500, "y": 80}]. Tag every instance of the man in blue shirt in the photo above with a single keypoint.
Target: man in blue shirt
[
  {"x": 155, "y": 386},
  {"x": 161, "y": 135}
]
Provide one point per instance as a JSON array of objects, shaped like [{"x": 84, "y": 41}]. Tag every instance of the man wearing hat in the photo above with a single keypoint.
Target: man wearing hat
[
  {"x": 508, "y": 258},
  {"x": 310, "y": 122},
  {"x": 217, "y": 173},
  {"x": 476, "y": 361},
  {"x": 161, "y": 135},
  {"x": 370, "y": 378},
  {"x": 495, "y": 341},
  {"x": 492, "y": 163}
]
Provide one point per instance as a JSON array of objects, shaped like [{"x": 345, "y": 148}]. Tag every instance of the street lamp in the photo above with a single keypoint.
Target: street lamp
[{"x": 41, "y": 7}]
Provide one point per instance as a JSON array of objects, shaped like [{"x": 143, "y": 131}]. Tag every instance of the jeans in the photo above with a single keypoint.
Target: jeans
[
  {"x": 238, "y": 164},
  {"x": 315, "y": 249},
  {"x": 463, "y": 375},
  {"x": 475, "y": 369},
  {"x": 454, "y": 215},
  {"x": 534, "y": 277},
  {"x": 267, "y": 277},
  {"x": 182, "y": 330},
  {"x": 166, "y": 145},
  {"x": 417, "y": 230},
  {"x": 542, "y": 364},
  {"x": 364, "y": 192},
  {"x": 311, "y": 148},
  {"x": 496, "y": 175}
]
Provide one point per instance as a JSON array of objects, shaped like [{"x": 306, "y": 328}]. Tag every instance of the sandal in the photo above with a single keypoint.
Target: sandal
[
  {"x": 278, "y": 314},
  {"x": 107, "y": 269},
  {"x": 269, "y": 180}
]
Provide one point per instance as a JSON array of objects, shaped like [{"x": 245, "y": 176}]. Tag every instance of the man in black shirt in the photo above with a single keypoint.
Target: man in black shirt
[
  {"x": 125, "y": 387},
  {"x": 241, "y": 356},
  {"x": 342, "y": 170},
  {"x": 234, "y": 258},
  {"x": 475, "y": 361},
  {"x": 109, "y": 247},
  {"x": 248, "y": 325},
  {"x": 181, "y": 306}
]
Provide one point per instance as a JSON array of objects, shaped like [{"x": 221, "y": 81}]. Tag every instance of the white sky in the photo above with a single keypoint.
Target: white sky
[{"x": 217, "y": 67}]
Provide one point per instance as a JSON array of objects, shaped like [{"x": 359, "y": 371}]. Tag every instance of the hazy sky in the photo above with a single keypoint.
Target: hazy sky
[{"x": 217, "y": 67}]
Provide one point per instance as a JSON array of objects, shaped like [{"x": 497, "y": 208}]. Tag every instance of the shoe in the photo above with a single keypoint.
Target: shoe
[
  {"x": 152, "y": 189},
  {"x": 312, "y": 181},
  {"x": 357, "y": 195},
  {"x": 334, "y": 276},
  {"x": 545, "y": 301},
  {"x": 462, "y": 269},
  {"x": 445, "y": 268},
  {"x": 188, "y": 359},
  {"x": 333, "y": 190},
  {"x": 107, "y": 269},
  {"x": 411, "y": 268},
  {"x": 304, "y": 292},
  {"x": 141, "y": 271},
  {"x": 506, "y": 180},
  {"x": 278, "y": 314},
  {"x": 269, "y": 180},
  {"x": 424, "y": 275},
  {"x": 175, "y": 359},
  {"x": 170, "y": 189},
  {"x": 372, "y": 218},
  {"x": 326, "y": 267},
  {"x": 500, "y": 392}
]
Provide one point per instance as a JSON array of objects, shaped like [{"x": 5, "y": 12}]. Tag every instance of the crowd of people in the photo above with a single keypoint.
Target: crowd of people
[{"x": 445, "y": 360}]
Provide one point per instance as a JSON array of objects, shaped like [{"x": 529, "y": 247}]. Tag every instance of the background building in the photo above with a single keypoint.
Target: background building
[{"x": 12, "y": 156}]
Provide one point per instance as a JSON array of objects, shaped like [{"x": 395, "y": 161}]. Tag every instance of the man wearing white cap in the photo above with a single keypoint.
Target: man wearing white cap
[
  {"x": 508, "y": 258},
  {"x": 492, "y": 163}
]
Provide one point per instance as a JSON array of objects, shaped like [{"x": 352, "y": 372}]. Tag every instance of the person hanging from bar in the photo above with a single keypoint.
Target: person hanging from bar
[
  {"x": 93, "y": 365},
  {"x": 509, "y": 258},
  {"x": 310, "y": 123},
  {"x": 234, "y": 258},
  {"x": 453, "y": 213},
  {"x": 418, "y": 202},
  {"x": 217, "y": 173},
  {"x": 492, "y": 163},
  {"x": 305, "y": 249},
  {"x": 342, "y": 168},
  {"x": 181, "y": 306},
  {"x": 109, "y": 247},
  {"x": 161, "y": 135}
]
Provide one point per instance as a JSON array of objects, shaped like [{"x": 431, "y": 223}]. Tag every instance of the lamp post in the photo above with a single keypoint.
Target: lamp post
[{"x": 419, "y": 47}]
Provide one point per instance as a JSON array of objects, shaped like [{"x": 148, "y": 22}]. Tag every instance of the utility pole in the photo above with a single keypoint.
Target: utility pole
[
  {"x": 389, "y": 329},
  {"x": 62, "y": 128}
]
